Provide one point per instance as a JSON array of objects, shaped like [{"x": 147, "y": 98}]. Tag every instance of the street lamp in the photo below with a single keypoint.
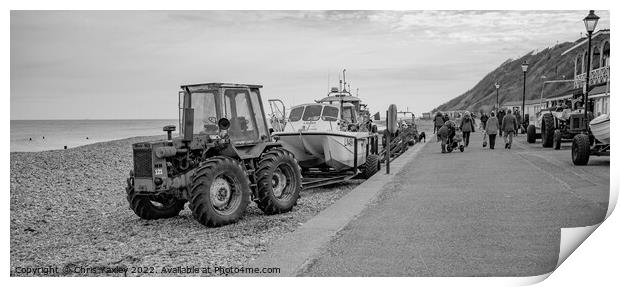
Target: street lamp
[
  {"x": 590, "y": 21},
  {"x": 524, "y": 68},
  {"x": 497, "y": 95}
]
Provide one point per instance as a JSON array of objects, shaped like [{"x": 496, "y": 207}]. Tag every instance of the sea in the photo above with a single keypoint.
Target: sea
[{"x": 41, "y": 135}]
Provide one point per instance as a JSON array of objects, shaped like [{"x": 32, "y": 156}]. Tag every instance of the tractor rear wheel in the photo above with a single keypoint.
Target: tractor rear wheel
[
  {"x": 219, "y": 192},
  {"x": 581, "y": 149},
  {"x": 531, "y": 134},
  {"x": 152, "y": 208},
  {"x": 371, "y": 166},
  {"x": 278, "y": 181},
  {"x": 557, "y": 139},
  {"x": 547, "y": 129}
]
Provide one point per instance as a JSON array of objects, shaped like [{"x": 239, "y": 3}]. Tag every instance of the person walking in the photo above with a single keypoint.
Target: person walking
[
  {"x": 518, "y": 118},
  {"x": 483, "y": 120},
  {"x": 458, "y": 119},
  {"x": 509, "y": 126},
  {"x": 491, "y": 128},
  {"x": 438, "y": 122},
  {"x": 467, "y": 127},
  {"x": 444, "y": 133},
  {"x": 500, "y": 117}
]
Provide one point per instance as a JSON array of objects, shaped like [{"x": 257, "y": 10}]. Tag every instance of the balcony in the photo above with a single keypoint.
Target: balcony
[{"x": 598, "y": 76}]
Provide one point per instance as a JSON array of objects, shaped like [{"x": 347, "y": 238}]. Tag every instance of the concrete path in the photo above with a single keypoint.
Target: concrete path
[
  {"x": 477, "y": 213},
  {"x": 293, "y": 253}
]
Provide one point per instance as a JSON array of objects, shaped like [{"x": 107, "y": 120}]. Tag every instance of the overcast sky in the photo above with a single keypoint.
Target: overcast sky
[{"x": 129, "y": 65}]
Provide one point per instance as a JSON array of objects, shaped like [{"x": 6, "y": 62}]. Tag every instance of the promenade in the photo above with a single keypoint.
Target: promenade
[{"x": 477, "y": 213}]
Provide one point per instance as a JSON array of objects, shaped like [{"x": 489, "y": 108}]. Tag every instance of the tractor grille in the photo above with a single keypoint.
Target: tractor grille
[{"x": 142, "y": 163}]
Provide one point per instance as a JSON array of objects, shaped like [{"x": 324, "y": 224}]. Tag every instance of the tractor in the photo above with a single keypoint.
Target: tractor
[
  {"x": 557, "y": 124},
  {"x": 222, "y": 159}
]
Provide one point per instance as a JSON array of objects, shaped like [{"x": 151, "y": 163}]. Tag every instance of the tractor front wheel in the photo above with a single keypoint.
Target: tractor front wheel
[
  {"x": 547, "y": 129},
  {"x": 278, "y": 181},
  {"x": 531, "y": 134},
  {"x": 147, "y": 207},
  {"x": 220, "y": 192},
  {"x": 581, "y": 149}
]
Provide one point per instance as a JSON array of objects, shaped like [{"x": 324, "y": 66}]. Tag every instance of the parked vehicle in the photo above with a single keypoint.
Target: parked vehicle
[
  {"x": 594, "y": 142},
  {"x": 557, "y": 124},
  {"x": 223, "y": 158}
]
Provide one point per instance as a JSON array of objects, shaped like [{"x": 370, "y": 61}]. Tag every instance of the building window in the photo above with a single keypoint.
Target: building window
[
  {"x": 605, "y": 54},
  {"x": 596, "y": 56}
]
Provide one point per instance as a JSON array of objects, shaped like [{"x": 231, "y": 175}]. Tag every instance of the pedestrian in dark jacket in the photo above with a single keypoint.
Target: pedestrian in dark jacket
[
  {"x": 491, "y": 128},
  {"x": 467, "y": 127},
  {"x": 483, "y": 120},
  {"x": 438, "y": 121},
  {"x": 500, "y": 118},
  {"x": 446, "y": 132},
  {"x": 509, "y": 126}
]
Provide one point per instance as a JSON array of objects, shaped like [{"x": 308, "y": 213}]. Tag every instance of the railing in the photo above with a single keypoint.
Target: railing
[{"x": 598, "y": 76}]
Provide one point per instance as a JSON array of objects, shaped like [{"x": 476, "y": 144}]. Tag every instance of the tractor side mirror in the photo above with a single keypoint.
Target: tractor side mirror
[
  {"x": 169, "y": 129},
  {"x": 188, "y": 124}
]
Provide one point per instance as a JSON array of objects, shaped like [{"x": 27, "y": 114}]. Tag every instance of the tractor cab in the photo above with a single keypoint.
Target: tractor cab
[{"x": 208, "y": 103}]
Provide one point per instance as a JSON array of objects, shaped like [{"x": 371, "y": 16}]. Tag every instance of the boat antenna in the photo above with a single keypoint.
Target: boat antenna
[
  {"x": 344, "y": 79},
  {"x": 357, "y": 92}
]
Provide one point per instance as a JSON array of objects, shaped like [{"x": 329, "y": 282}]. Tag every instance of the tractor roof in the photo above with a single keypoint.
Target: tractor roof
[{"x": 220, "y": 85}]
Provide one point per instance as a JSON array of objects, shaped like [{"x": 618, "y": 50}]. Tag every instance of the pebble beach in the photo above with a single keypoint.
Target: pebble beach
[{"x": 68, "y": 208}]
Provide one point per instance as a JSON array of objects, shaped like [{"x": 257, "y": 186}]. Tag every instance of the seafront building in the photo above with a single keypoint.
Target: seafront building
[{"x": 599, "y": 95}]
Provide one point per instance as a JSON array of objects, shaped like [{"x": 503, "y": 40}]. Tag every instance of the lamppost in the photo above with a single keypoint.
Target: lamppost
[
  {"x": 524, "y": 68},
  {"x": 497, "y": 96},
  {"x": 590, "y": 21}
]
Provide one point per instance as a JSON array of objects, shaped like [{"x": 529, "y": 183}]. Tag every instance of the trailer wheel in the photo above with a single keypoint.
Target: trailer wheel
[
  {"x": 278, "y": 181},
  {"x": 546, "y": 131},
  {"x": 219, "y": 192},
  {"x": 557, "y": 139},
  {"x": 152, "y": 208},
  {"x": 581, "y": 149},
  {"x": 531, "y": 134},
  {"x": 371, "y": 166}
]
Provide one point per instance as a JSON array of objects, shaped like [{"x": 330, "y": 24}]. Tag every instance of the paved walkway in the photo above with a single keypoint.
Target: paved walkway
[{"x": 477, "y": 213}]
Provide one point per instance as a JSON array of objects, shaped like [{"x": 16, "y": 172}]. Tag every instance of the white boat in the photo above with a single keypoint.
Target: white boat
[
  {"x": 321, "y": 135},
  {"x": 600, "y": 128}
]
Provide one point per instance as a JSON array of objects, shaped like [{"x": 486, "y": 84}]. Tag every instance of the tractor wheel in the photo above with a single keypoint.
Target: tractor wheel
[
  {"x": 371, "y": 166},
  {"x": 546, "y": 131},
  {"x": 557, "y": 139},
  {"x": 279, "y": 181},
  {"x": 219, "y": 192},
  {"x": 531, "y": 134},
  {"x": 152, "y": 208},
  {"x": 449, "y": 148},
  {"x": 581, "y": 149}
]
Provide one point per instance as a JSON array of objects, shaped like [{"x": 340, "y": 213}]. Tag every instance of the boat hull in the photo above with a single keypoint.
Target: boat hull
[
  {"x": 332, "y": 149},
  {"x": 600, "y": 128}
]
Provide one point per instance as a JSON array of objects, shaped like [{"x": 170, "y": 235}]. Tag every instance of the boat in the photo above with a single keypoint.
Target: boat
[
  {"x": 320, "y": 135},
  {"x": 599, "y": 127},
  {"x": 329, "y": 133}
]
